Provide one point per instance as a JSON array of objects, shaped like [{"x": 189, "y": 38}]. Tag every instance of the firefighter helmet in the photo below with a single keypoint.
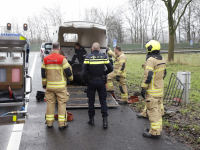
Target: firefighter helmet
[{"x": 153, "y": 46}]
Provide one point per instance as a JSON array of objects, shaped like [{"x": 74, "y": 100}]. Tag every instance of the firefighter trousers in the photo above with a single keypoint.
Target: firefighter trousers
[
  {"x": 62, "y": 97},
  {"x": 154, "y": 113},
  {"x": 144, "y": 111},
  {"x": 122, "y": 86}
]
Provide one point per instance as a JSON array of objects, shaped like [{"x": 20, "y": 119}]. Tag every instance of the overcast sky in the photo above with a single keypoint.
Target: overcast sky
[{"x": 19, "y": 10}]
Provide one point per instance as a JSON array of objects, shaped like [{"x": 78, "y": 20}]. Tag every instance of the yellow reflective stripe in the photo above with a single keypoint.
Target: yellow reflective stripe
[
  {"x": 162, "y": 107},
  {"x": 155, "y": 90},
  {"x": 61, "y": 83},
  {"x": 61, "y": 119},
  {"x": 55, "y": 86},
  {"x": 157, "y": 94},
  {"x": 49, "y": 119},
  {"x": 54, "y": 68},
  {"x": 110, "y": 84},
  {"x": 116, "y": 63},
  {"x": 124, "y": 95},
  {"x": 121, "y": 61},
  {"x": 86, "y": 62},
  {"x": 66, "y": 65},
  {"x": 106, "y": 62},
  {"x": 97, "y": 59},
  {"x": 44, "y": 79},
  {"x": 149, "y": 67},
  {"x": 49, "y": 116},
  {"x": 119, "y": 71},
  {"x": 62, "y": 75},
  {"x": 97, "y": 63},
  {"x": 70, "y": 78},
  {"x": 43, "y": 66},
  {"x": 153, "y": 80},
  {"x": 144, "y": 85},
  {"x": 160, "y": 69}
]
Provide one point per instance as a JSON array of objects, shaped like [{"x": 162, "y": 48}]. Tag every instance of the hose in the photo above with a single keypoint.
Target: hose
[{"x": 4, "y": 114}]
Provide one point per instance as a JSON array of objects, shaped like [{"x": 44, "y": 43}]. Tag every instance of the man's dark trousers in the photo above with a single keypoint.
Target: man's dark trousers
[{"x": 99, "y": 86}]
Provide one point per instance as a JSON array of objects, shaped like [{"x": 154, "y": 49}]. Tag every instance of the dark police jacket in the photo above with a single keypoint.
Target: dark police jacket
[
  {"x": 94, "y": 66},
  {"x": 79, "y": 54}
]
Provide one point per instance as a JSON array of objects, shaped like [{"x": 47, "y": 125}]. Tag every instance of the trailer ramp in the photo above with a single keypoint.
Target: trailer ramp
[{"x": 78, "y": 99}]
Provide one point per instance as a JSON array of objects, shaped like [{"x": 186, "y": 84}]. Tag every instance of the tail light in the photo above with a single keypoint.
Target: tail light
[{"x": 41, "y": 50}]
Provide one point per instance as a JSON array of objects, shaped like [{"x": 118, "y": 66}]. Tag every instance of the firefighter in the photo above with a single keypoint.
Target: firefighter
[
  {"x": 109, "y": 56},
  {"x": 94, "y": 76},
  {"x": 119, "y": 74},
  {"x": 143, "y": 114},
  {"x": 80, "y": 53},
  {"x": 152, "y": 88},
  {"x": 55, "y": 69}
]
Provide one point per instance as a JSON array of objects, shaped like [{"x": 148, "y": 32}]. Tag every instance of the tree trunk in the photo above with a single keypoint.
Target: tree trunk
[{"x": 171, "y": 48}]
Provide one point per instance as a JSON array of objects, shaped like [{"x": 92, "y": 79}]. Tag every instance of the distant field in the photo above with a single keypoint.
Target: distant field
[
  {"x": 163, "y": 46},
  {"x": 183, "y": 62}
]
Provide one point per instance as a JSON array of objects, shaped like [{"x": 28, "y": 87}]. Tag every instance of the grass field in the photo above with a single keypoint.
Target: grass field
[{"x": 183, "y": 62}]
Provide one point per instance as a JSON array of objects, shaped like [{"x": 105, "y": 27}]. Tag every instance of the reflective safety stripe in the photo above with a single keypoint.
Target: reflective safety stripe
[
  {"x": 121, "y": 61},
  {"x": 70, "y": 78},
  {"x": 56, "y": 86},
  {"x": 57, "y": 83},
  {"x": 160, "y": 69},
  {"x": 119, "y": 71},
  {"x": 54, "y": 68},
  {"x": 43, "y": 66},
  {"x": 98, "y": 62},
  {"x": 155, "y": 90},
  {"x": 144, "y": 85},
  {"x": 86, "y": 62},
  {"x": 149, "y": 67},
  {"x": 49, "y": 117},
  {"x": 44, "y": 79},
  {"x": 162, "y": 107},
  {"x": 155, "y": 94},
  {"x": 124, "y": 95},
  {"x": 155, "y": 125},
  {"x": 62, "y": 118},
  {"x": 116, "y": 63},
  {"x": 160, "y": 122},
  {"x": 65, "y": 66},
  {"x": 110, "y": 84}
]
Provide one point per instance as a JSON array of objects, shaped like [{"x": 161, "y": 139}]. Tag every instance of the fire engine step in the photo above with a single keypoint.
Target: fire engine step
[{"x": 78, "y": 99}]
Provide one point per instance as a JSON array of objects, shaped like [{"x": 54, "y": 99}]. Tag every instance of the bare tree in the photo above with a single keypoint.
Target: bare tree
[{"x": 171, "y": 8}]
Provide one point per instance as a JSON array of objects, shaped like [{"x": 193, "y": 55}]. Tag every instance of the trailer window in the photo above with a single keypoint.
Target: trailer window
[
  {"x": 70, "y": 37},
  {"x": 2, "y": 74},
  {"x": 16, "y": 74}
]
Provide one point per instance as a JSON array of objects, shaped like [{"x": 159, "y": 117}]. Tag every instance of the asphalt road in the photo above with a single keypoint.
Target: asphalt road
[{"x": 124, "y": 131}]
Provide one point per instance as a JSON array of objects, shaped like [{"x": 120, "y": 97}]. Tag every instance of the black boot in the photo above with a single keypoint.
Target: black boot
[
  {"x": 63, "y": 127},
  {"x": 91, "y": 121},
  {"x": 140, "y": 116},
  {"x": 105, "y": 123},
  {"x": 148, "y": 135}
]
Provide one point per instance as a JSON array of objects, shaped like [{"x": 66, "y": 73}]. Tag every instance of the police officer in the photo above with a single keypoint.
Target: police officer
[
  {"x": 55, "y": 69},
  {"x": 119, "y": 74},
  {"x": 80, "y": 53},
  {"x": 152, "y": 88},
  {"x": 93, "y": 74},
  {"x": 109, "y": 56}
]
